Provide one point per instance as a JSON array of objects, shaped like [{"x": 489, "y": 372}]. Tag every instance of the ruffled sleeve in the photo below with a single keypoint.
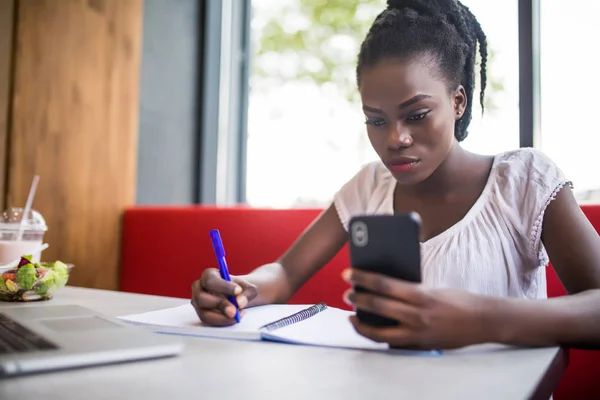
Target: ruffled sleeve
[
  {"x": 550, "y": 180},
  {"x": 533, "y": 181}
]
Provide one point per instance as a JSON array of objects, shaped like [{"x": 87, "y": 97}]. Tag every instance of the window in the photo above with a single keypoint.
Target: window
[
  {"x": 305, "y": 127},
  {"x": 498, "y": 129},
  {"x": 306, "y": 132},
  {"x": 569, "y": 91}
]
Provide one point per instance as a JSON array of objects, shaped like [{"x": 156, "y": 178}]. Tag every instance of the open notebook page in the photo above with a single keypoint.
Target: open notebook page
[
  {"x": 183, "y": 320},
  {"x": 330, "y": 328}
]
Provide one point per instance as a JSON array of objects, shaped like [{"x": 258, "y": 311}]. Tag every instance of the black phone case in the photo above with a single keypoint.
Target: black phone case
[{"x": 389, "y": 245}]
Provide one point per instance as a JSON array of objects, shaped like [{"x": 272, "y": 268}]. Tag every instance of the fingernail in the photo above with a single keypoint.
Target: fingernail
[
  {"x": 242, "y": 313},
  {"x": 230, "y": 311},
  {"x": 242, "y": 301},
  {"x": 347, "y": 297},
  {"x": 347, "y": 274},
  {"x": 237, "y": 290}
]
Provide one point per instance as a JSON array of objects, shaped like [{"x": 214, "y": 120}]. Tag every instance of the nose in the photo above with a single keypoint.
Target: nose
[{"x": 399, "y": 138}]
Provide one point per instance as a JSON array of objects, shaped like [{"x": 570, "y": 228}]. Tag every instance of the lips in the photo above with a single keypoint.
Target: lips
[{"x": 403, "y": 164}]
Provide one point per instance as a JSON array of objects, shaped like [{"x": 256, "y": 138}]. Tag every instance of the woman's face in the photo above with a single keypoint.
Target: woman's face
[{"x": 410, "y": 115}]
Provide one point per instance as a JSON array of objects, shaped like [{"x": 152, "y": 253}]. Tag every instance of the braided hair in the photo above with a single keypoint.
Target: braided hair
[{"x": 444, "y": 29}]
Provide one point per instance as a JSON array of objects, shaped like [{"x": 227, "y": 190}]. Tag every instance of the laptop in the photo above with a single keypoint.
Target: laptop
[{"x": 48, "y": 338}]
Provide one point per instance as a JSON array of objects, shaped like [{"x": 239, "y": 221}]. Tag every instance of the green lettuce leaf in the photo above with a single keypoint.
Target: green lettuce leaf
[{"x": 26, "y": 276}]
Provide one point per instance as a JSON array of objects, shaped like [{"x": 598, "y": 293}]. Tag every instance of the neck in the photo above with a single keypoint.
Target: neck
[{"x": 446, "y": 177}]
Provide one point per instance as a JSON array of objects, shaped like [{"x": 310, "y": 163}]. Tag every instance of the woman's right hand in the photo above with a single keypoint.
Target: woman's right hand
[{"x": 209, "y": 297}]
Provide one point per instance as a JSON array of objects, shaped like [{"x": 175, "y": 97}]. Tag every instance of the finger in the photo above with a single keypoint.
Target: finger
[
  {"x": 211, "y": 281},
  {"x": 201, "y": 299},
  {"x": 209, "y": 301},
  {"x": 398, "y": 336},
  {"x": 196, "y": 287},
  {"x": 242, "y": 301},
  {"x": 250, "y": 292},
  {"x": 209, "y": 315},
  {"x": 385, "y": 307},
  {"x": 408, "y": 291},
  {"x": 214, "y": 318}
]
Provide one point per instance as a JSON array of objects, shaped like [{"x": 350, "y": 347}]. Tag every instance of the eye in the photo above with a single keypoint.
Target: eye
[
  {"x": 418, "y": 117},
  {"x": 375, "y": 122}
]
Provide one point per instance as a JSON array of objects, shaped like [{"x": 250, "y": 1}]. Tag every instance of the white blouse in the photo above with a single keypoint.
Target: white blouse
[{"x": 496, "y": 248}]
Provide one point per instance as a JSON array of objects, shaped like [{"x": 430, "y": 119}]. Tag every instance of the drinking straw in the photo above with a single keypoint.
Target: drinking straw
[{"x": 28, "y": 205}]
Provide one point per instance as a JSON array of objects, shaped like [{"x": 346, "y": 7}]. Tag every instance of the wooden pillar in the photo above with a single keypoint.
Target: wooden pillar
[{"x": 74, "y": 121}]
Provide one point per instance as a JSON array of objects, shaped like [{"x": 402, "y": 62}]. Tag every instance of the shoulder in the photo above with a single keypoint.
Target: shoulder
[
  {"x": 526, "y": 156},
  {"x": 530, "y": 167},
  {"x": 366, "y": 189}
]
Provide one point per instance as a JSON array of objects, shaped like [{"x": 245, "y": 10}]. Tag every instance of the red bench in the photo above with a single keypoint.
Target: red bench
[
  {"x": 580, "y": 381},
  {"x": 165, "y": 249}
]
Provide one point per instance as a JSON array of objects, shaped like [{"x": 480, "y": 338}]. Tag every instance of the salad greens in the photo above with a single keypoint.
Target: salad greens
[
  {"x": 26, "y": 276},
  {"x": 33, "y": 279}
]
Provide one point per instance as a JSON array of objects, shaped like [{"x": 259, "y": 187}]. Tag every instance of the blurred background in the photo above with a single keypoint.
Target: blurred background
[{"x": 122, "y": 103}]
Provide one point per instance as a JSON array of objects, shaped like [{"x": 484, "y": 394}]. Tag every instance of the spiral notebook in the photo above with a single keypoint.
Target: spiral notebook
[{"x": 312, "y": 325}]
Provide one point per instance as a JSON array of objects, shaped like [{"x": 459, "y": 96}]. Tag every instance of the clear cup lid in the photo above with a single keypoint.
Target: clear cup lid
[{"x": 11, "y": 219}]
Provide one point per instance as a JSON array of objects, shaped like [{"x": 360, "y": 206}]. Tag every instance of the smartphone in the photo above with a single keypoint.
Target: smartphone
[{"x": 388, "y": 245}]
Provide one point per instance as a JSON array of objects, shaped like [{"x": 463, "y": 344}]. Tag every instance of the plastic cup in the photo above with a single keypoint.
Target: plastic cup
[{"x": 34, "y": 229}]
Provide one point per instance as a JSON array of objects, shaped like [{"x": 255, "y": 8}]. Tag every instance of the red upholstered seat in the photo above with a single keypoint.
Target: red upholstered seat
[
  {"x": 581, "y": 380},
  {"x": 165, "y": 249}
]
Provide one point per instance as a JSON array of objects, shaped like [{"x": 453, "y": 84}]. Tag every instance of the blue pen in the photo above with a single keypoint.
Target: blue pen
[{"x": 217, "y": 244}]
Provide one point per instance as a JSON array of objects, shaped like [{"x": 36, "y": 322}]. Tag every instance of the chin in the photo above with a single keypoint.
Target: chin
[
  {"x": 409, "y": 180},
  {"x": 411, "y": 177}
]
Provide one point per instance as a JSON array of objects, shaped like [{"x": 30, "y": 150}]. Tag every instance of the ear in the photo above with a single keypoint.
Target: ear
[{"x": 459, "y": 101}]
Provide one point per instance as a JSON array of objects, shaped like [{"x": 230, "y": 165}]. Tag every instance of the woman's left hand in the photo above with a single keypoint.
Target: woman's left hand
[{"x": 429, "y": 318}]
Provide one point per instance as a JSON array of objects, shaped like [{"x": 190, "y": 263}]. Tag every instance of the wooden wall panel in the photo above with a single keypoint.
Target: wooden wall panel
[
  {"x": 6, "y": 41},
  {"x": 75, "y": 123}
]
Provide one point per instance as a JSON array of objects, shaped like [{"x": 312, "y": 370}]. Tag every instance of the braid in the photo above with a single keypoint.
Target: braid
[
  {"x": 444, "y": 29},
  {"x": 482, "y": 40}
]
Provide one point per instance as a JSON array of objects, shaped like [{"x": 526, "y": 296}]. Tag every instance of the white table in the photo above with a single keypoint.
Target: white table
[{"x": 221, "y": 369}]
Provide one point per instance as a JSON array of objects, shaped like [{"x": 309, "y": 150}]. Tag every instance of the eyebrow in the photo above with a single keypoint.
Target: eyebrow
[{"x": 405, "y": 104}]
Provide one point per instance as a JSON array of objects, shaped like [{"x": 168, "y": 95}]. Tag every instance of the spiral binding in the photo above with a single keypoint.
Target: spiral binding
[{"x": 297, "y": 317}]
